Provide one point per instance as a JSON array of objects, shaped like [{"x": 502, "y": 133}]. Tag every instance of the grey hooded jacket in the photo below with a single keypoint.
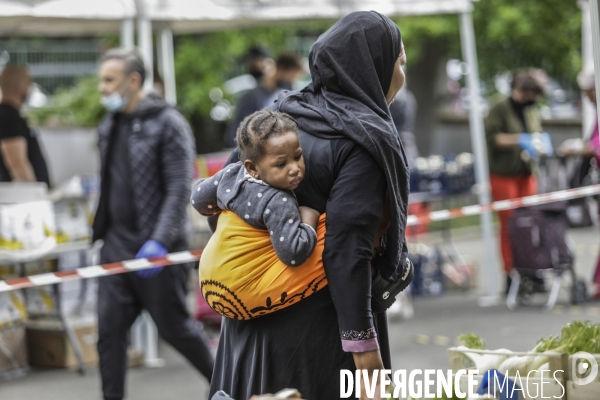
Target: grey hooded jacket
[
  {"x": 161, "y": 152},
  {"x": 261, "y": 206}
]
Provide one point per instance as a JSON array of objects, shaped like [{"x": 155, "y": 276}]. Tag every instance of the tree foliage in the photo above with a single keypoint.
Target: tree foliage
[
  {"x": 509, "y": 34},
  {"x": 534, "y": 33},
  {"x": 76, "y": 106},
  {"x": 419, "y": 32},
  {"x": 204, "y": 62}
]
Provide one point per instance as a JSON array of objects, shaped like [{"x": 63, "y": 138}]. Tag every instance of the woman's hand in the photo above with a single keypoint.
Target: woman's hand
[
  {"x": 309, "y": 216},
  {"x": 574, "y": 147},
  {"x": 370, "y": 361},
  {"x": 282, "y": 394}
]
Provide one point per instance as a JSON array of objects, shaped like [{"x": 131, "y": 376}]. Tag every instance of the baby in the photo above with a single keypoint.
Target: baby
[{"x": 260, "y": 189}]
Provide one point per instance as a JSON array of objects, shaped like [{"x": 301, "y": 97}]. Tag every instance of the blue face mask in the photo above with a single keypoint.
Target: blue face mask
[{"x": 114, "y": 102}]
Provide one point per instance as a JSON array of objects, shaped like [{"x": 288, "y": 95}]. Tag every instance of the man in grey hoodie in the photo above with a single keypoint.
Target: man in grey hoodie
[{"x": 146, "y": 152}]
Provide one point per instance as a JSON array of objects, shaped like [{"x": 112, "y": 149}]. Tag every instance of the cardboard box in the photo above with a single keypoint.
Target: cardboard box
[
  {"x": 77, "y": 297},
  {"x": 73, "y": 220},
  {"x": 20, "y": 192},
  {"x": 48, "y": 344},
  {"x": 40, "y": 301},
  {"x": 25, "y": 226},
  {"x": 13, "y": 349},
  {"x": 135, "y": 358},
  {"x": 554, "y": 382},
  {"x": 591, "y": 391},
  {"x": 12, "y": 308}
]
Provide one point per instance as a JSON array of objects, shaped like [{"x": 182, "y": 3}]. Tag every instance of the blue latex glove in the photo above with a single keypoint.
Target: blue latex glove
[
  {"x": 525, "y": 143},
  {"x": 151, "y": 249},
  {"x": 510, "y": 391},
  {"x": 547, "y": 143}
]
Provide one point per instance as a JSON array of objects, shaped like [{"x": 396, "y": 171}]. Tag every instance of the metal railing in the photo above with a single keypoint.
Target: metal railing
[{"x": 55, "y": 63}]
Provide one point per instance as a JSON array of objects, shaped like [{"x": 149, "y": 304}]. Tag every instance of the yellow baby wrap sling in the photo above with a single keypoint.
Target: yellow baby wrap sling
[{"x": 242, "y": 278}]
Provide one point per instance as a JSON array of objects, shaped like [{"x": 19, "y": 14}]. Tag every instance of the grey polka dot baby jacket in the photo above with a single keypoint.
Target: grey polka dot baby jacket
[{"x": 261, "y": 206}]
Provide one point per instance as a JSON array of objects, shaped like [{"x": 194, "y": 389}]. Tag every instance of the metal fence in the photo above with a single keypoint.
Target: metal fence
[
  {"x": 53, "y": 64},
  {"x": 59, "y": 63}
]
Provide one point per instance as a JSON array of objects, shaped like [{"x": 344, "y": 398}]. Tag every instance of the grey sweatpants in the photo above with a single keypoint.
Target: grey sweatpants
[{"x": 121, "y": 298}]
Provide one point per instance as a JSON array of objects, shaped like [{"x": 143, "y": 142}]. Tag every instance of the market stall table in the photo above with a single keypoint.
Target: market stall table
[{"x": 18, "y": 258}]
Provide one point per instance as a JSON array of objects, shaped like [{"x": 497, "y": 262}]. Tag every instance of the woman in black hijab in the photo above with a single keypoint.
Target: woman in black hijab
[{"x": 354, "y": 161}]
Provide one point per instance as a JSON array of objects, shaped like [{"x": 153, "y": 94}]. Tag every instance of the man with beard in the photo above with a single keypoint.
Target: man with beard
[{"x": 147, "y": 154}]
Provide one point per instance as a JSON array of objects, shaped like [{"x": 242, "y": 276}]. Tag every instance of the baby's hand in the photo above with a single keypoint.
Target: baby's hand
[
  {"x": 211, "y": 213},
  {"x": 309, "y": 216}
]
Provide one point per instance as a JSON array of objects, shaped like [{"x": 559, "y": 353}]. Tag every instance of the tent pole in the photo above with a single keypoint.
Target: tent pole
[
  {"x": 588, "y": 108},
  {"x": 467, "y": 36},
  {"x": 145, "y": 329},
  {"x": 145, "y": 44},
  {"x": 127, "y": 33},
  {"x": 595, "y": 15},
  {"x": 168, "y": 65}
]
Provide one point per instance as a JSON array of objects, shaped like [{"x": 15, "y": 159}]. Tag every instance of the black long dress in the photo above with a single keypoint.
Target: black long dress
[
  {"x": 352, "y": 154},
  {"x": 300, "y": 346}
]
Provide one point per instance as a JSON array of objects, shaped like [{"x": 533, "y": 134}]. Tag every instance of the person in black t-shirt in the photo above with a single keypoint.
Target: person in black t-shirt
[{"x": 21, "y": 158}]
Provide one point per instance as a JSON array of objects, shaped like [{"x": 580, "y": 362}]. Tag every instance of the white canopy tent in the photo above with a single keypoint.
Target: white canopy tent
[
  {"x": 88, "y": 17},
  {"x": 595, "y": 19},
  {"x": 184, "y": 15},
  {"x": 62, "y": 17}
]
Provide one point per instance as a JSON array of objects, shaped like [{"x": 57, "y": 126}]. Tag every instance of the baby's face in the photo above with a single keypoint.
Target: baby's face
[{"x": 282, "y": 166}]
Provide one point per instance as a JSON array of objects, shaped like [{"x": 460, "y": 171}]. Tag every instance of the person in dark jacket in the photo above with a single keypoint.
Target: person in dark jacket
[
  {"x": 354, "y": 162},
  {"x": 256, "y": 60},
  {"x": 147, "y": 153},
  {"x": 287, "y": 69},
  {"x": 404, "y": 114}
]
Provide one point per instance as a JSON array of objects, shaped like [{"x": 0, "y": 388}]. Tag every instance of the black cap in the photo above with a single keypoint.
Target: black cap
[{"x": 257, "y": 52}]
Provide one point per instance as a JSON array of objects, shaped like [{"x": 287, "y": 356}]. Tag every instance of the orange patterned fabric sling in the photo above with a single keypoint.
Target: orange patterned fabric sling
[{"x": 242, "y": 278}]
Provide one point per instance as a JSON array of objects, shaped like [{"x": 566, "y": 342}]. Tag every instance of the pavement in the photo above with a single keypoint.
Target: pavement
[{"x": 419, "y": 342}]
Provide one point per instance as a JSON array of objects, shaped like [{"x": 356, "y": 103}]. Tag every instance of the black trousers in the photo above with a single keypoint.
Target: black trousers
[{"x": 121, "y": 298}]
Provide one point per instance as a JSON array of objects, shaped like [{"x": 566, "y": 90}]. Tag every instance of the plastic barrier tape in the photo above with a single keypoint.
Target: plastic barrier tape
[
  {"x": 504, "y": 205},
  {"x": 95, "y": 271}
]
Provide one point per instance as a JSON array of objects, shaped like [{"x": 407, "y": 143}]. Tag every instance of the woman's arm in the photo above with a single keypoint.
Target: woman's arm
[
  {"x": 507, "y": 140},
  {"x": 354, "y": 211},
  {"x": 495, "y": 130}
]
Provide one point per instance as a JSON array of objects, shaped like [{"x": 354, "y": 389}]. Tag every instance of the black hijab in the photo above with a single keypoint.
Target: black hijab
[{"x": 351, "y": 66}]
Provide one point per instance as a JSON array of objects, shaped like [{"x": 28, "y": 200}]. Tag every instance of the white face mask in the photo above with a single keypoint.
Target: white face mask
[{"x": 114, "y": 102}]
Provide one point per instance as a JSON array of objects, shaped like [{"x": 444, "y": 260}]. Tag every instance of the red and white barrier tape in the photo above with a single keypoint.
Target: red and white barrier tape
[
  {"x": 504, "y": 205},
  {"x": 121, "y": 267},
  {"x": 96, "y": 271}
]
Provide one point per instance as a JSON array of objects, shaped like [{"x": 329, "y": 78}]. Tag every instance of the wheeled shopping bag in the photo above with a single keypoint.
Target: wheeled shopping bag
[{"x": 540, "y": 249}]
